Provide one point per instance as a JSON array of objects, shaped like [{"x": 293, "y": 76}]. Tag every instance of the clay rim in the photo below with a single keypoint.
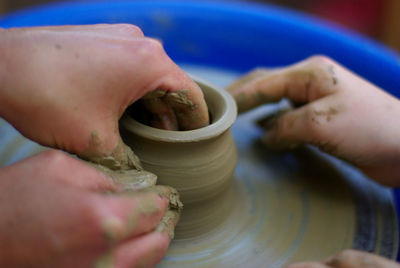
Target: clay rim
[{"x": 223, "y": 119}]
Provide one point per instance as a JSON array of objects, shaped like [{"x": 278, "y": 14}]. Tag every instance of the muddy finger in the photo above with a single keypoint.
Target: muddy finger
[
  {"x": 143, "y": 251},
  {"x": 160, "y": 114},
  {"x": 183, "y": 109},
  {"x": 303, "y": 82}
]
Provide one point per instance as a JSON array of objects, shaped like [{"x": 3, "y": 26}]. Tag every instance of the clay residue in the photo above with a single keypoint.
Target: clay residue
[
  {"x": 148, "y": 205},
  {"x": 177, "y": 97},
  {"x": 177, "y": 106},
  {"x": 122, "y": 158},
  {"x": 124, "y": 169},
  {"x": 129, "y": 180},
  {"x": 168, "y": 192},
  {"x": 328, "y": 114},
  {"x": 180, "y": 97},
  {"x": 331, "y": 70},
  {"x": 168, "y": 222}
]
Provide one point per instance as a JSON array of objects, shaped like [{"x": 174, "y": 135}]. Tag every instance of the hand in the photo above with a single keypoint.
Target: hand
[
  {"x": 341, "y": 113},
  {"x": 66, "y": 87},
  {"x": 54, "y": 215},
  {"x": 349, "y": 259}
]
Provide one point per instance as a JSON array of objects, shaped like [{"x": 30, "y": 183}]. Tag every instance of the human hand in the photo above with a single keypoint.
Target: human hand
[
  {"x": 341, "y": 113},
  {"x": 349, "y": 259},
  {"x": 66, "y": 87},
  {"x": 53, "y": 214}
]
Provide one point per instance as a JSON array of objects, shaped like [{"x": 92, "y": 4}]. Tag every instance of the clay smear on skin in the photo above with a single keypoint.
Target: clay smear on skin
[
  {"x": 328, "y": 114},
  {"x": 179, "y": 101},
  {"x": 178, "y": 97}
]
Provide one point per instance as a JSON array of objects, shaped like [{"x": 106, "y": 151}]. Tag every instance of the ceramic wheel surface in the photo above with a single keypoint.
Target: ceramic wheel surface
[{"x": 280, "y": 208}]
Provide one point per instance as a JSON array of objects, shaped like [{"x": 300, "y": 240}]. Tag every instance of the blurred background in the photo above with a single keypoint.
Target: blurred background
[{"x": 377, "y": 19}]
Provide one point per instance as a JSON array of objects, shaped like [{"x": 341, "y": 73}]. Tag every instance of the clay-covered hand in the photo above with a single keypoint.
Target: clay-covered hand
[
  {"x": 340, "y": 112},
  {"x": 59, "y": 215},
  {"x": 66, "y": 87},
  {"x": 349, "y": 259}
]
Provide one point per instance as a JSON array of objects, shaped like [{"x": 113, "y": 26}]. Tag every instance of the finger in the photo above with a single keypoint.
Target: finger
[
  {"x": 144, "y": 251},
  {"x": 129, "y": 216},
  {"x": 189, "y": 107},
  {"x": 69, "y": 220},
  {"x": 171, "y": 86},
  {"x": 313, "y": 123},
  {"x": 307, "y": 265},
  {"x": 148, "y": 249},
  {"x": 162, "y": 115},
  {"x": 254, "y": 74},
  {"x": 303, "y": 82},
  {"x": 352, "y": 258},
  {"x": 168, "y": 223},
  {"x": 183, "y": 109},
  {"x": 67, "y": 170}
]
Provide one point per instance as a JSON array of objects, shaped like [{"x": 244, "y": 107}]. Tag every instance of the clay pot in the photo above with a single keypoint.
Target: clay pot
[{"x": 198, "y": 163}]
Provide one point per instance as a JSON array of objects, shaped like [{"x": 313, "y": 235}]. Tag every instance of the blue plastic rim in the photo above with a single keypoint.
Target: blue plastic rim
[{"x": 233, "y": 36}]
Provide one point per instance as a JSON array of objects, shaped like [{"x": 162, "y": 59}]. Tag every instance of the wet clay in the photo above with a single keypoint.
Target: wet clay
[
  {"x": 179, "y": 110},
  {"x": 122, "y": 158},
  {"x": 115, "y": 230},
  {"x": 129, "y": 179},
  {"x": 180, "y": 97},
  {"x": 198, "y": 163},
  {"x": 125, "y": 170},
  {"x": 134, "y": 182}
]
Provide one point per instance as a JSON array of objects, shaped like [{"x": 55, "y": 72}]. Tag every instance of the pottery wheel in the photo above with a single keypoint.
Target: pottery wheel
[{"x": 280, "y": 208}]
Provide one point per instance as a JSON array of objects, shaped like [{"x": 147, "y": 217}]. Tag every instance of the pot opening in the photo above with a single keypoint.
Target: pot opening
[
  {"x": 215, "y": 103},
  {"x": 222, "y": 110}
]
